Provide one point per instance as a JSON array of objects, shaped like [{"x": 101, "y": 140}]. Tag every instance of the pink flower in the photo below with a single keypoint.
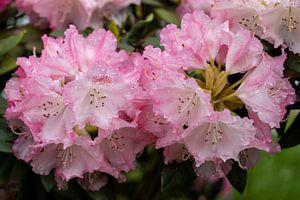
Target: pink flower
[
  {"x": 275, "y": 21},
  {"x": 181, "y": 101},
  {"x": 68, "y": 162},
  {"x": 223, "y": 136},
  {"x": 282, "y": 24},
  {"x": 68, "y": 111},
  {"x": 65, "y": 59},
  {"x": 188, "y": 6},
  {"x": 59, "y": 14},
  {"x": 121, "y": 147},
  {"x": 3, "y": 4},
  {"x": 208, "y": 71},
  {"x": 266, "y": 92},
  {"x": 97, "y": 95}
]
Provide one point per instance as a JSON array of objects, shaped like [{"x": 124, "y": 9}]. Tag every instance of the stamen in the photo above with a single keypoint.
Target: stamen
[
  {"x": 214, "y": 133},
  {"x": 187, "y": 103},
  {"x": 250, "y": 22},
  {"x": 177, "y": 40},
  {"x": 34, "y": 51},
  {"x": 151, "y": 76},
  {"x": 117, "y": 141},
  {"x": 185, "y": 155},
  {"x": 52, "y": 108},
  {"x": 289, "y": 22},
  {"x": 96, "y": 98},
  {"x": 66, "y": 156},
  {"x": 273, "y": 90}
]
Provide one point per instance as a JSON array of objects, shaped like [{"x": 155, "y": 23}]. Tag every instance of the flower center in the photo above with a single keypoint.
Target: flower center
[
  {"x": 89, "y": 130},
  {"x": 220, "y": 85}
]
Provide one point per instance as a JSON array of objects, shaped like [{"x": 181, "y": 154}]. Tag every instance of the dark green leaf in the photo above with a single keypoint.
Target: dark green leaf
[
  {"x": 2, "y": 105},
  {"x": 11, "y": 42},
  {"x": 177, "y": 175},
  {"x": 126, "y": 47},
  {"x": 291, "y": 119},
  {"x": 6, "y": 167},
  {"x": 237, "y": 177},
  {"x": 291, "y": 137},
  {"x": 100, "y": 195},
  {"x": 154, "y": 41},
  {"x": 139, "y": 30},
  {"x": 5, "y": 134},
  {"x": 8, "y": 63},
  {"x": 57, "y": 33},
  {"x": 5, "y": 147},
  {"x": 152, "y": 3},
  {"x": 48, "y": 182},
  {"x": 168, "y": 16},
  {"x": 293, "y": 62}
]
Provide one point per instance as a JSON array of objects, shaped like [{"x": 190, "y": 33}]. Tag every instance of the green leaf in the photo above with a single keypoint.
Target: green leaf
[
  {"x": 139, "y": 30},
  {"x": 154, "y": 41},
  {"x": 126, "y": 47},
  {"x": 105, "y": 193},
  {"x": 57, "y": 33},
  {"x": 112, "y": 27},
  {"x": 237, "y": 177},
  {"x": 291, "y": 118},
  {"x": 2, "y": 105},
  {"x": 167, "y": 15},
  {"x": 48, "y": 182},
  {"x": 177, "y": 175},
  {"x": 8, "y": 63},
  {"x": 152, "y": 3},
  {"x": 5, "y": 147},
  {"x": 292, "y": 137},
  {"x": 5, "y": 134},
  {"x": 6, "y": 167},
  {"x": 11, "y": 42},
  {"x": 293, "y": 62}
]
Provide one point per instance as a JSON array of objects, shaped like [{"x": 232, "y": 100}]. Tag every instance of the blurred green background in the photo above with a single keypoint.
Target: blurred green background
[{"x": 275, "y": 177}]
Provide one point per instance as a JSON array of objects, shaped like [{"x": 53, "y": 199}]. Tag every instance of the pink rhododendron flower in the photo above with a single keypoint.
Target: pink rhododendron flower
[
  {"x": 60, "y": 13},
  {"x": 222, "y": 136},
  {"x": 266, "y": 92},
  {"x": 69, "y": 114},
  {"x": 273, "y": 20},
  {"x": 188, "y": 6},
  {"x": 282, "y": 24},
  {"x": 3, "y": 4},
  {"x": 206, "y": 74}
]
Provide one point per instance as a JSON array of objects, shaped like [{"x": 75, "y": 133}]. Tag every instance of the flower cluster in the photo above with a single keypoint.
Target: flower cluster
[
  {"x": 82, "y": 13},
  {"x": 277, "y": 21},
  {"x": 73, "y": 109},
  {"x": 85, "y": 110},
  {"x": 206, "y": 77}
]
